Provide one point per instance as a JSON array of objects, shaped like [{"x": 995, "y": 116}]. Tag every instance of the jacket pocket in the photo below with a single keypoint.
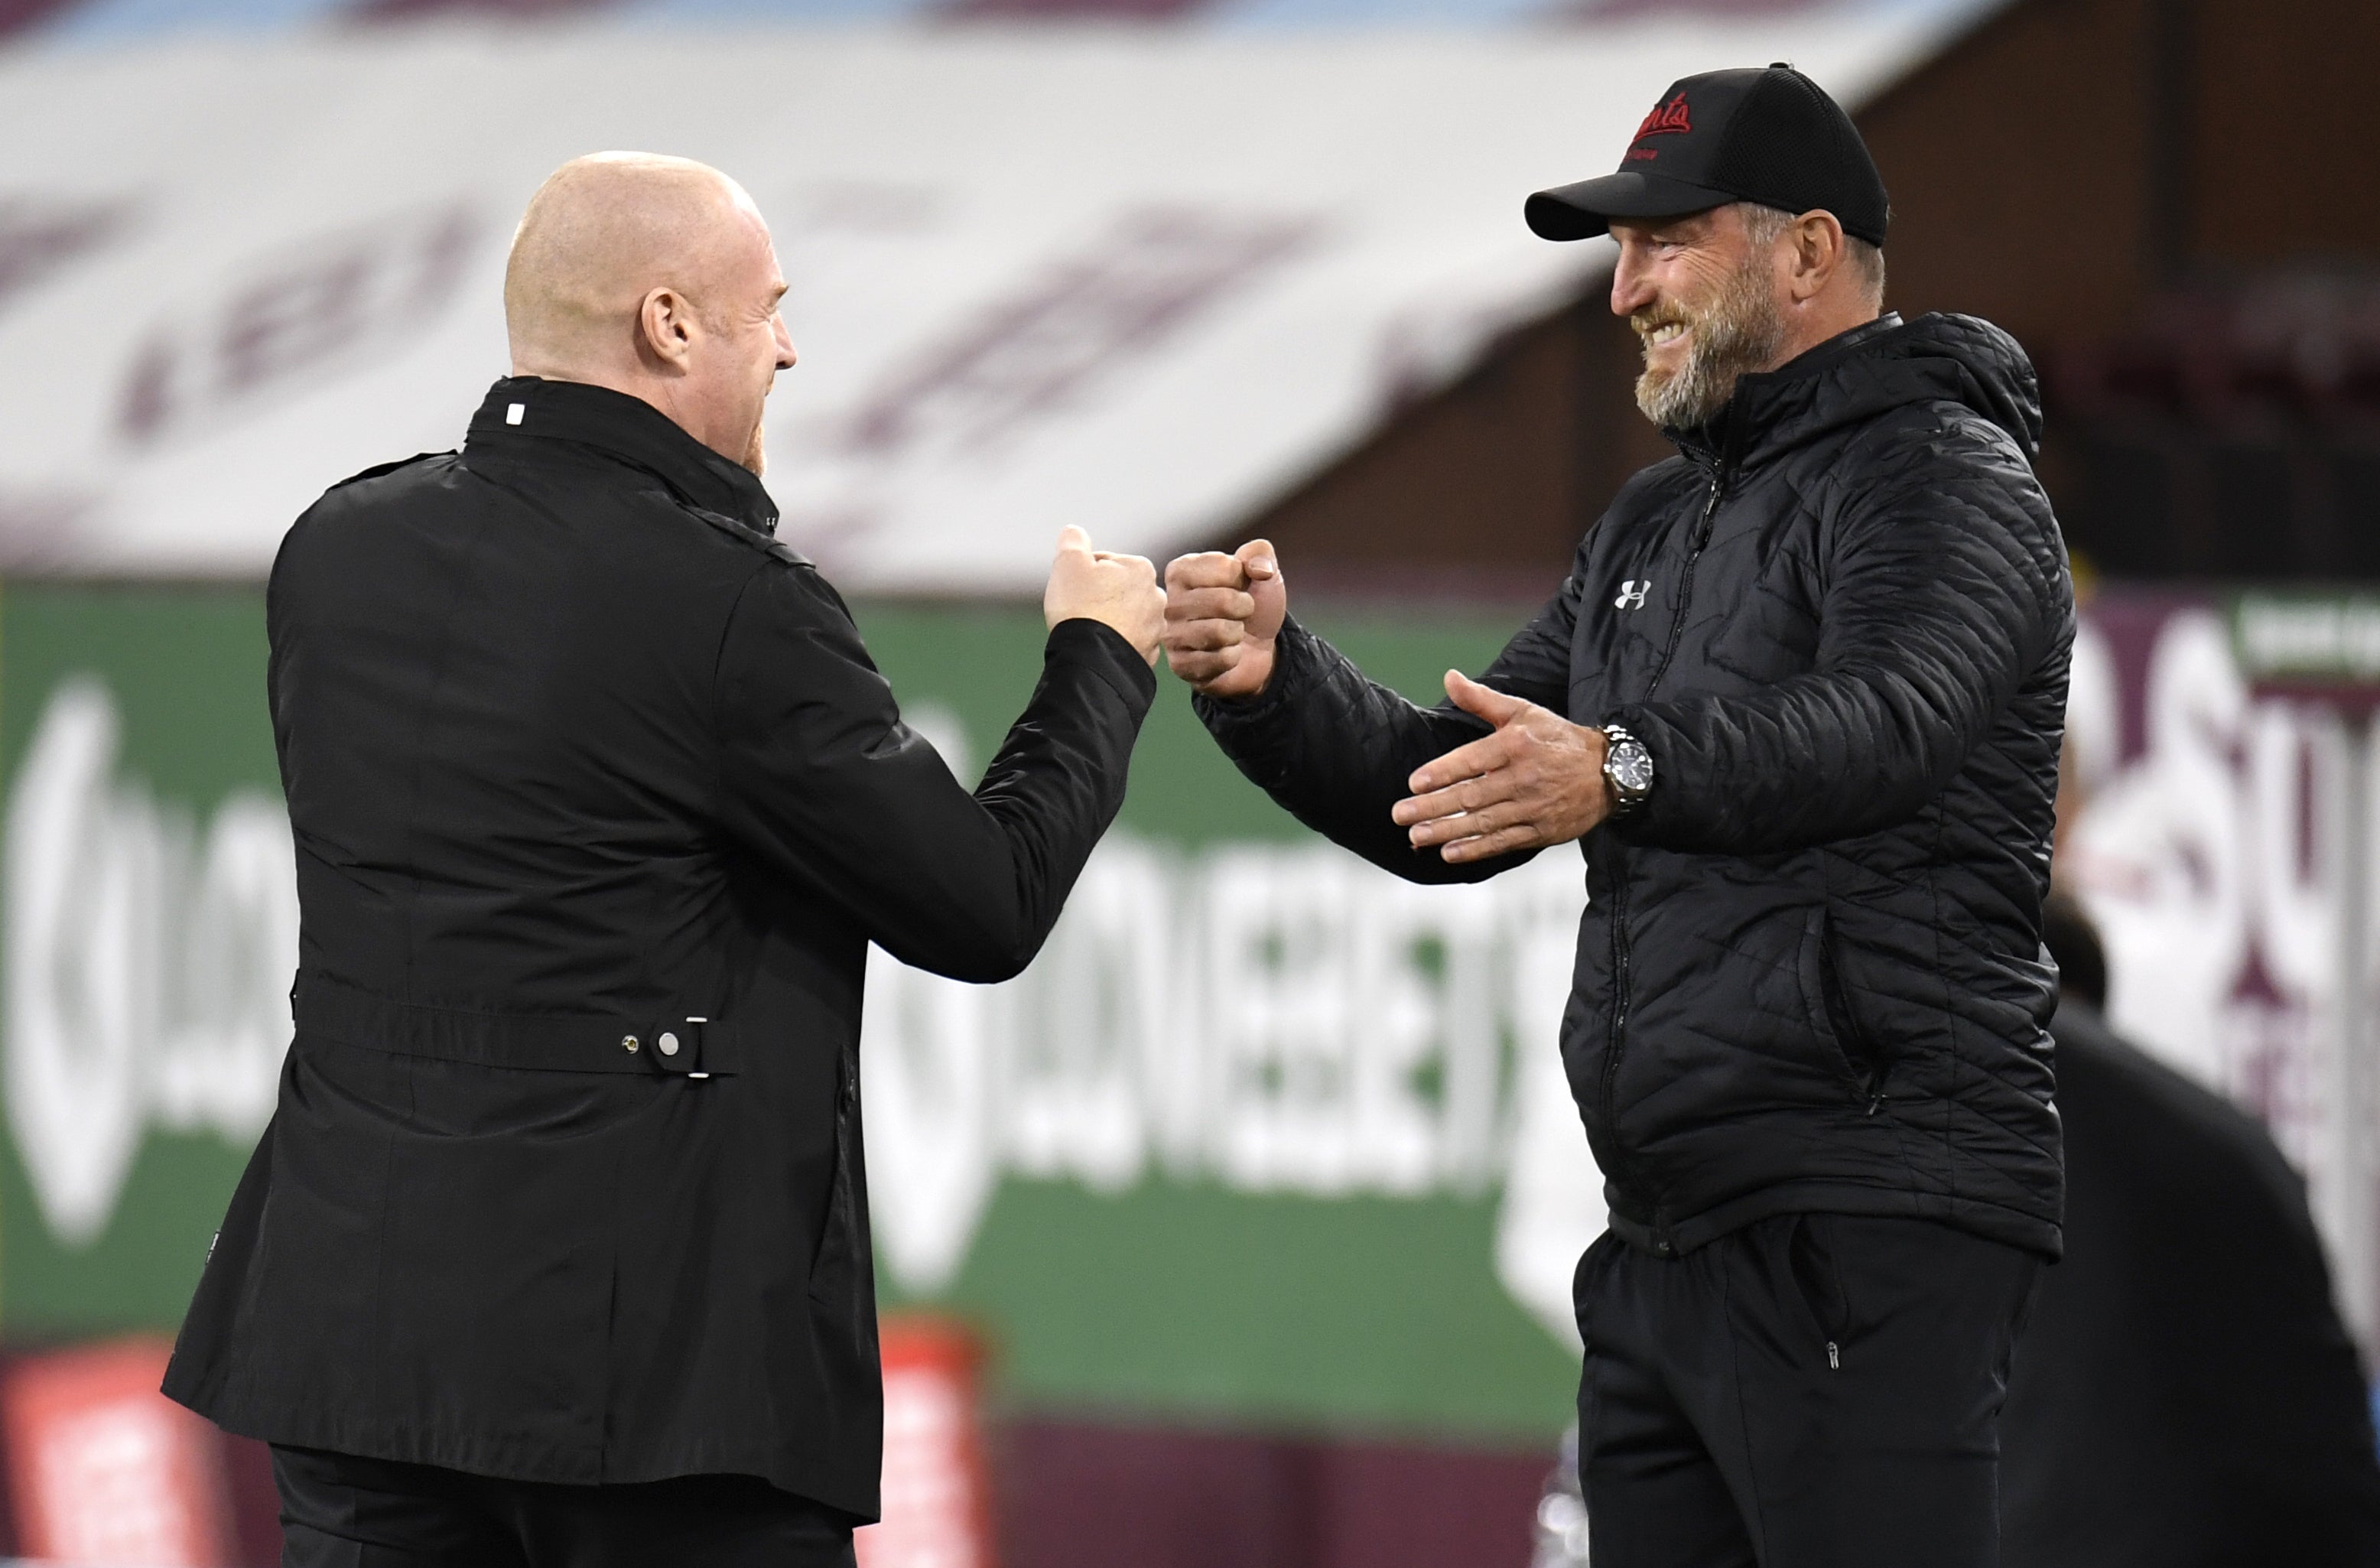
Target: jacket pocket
[
  {"x": 439, "y": 1247},
  {"x": 1831, "y": 1012},
  {"x": 834, "y": 1265}
]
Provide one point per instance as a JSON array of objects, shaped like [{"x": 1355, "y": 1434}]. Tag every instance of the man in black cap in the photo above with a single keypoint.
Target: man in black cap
[{"x": 1800, "y": 699}]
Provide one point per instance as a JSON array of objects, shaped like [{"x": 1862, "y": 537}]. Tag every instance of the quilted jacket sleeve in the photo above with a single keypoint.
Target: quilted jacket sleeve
[
  {"x": 1335, "y": 748},
  {"x": 1944, "y": 588},
  {"x": 821, "y": 779}
]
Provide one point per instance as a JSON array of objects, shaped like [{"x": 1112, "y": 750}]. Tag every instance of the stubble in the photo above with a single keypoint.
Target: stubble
[{"x": 1738, "y": 333}]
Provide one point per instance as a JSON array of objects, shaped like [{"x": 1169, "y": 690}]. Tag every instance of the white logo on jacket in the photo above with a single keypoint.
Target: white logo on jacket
[{"x": 1632, "y": 594}]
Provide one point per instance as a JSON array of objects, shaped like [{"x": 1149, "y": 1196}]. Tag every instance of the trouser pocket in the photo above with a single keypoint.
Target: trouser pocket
[{"x": 1816, "y": 1268}]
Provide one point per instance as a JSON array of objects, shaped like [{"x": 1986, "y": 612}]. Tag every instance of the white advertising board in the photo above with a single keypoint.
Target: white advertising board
[{"x": 1141, "y": 281}]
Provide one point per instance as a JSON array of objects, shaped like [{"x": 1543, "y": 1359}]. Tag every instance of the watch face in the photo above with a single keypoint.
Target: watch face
[{"x": 1632, "y": 767}]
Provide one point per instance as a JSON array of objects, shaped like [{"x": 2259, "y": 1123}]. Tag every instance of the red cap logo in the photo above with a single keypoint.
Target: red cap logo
[{"x": 1669, "y": 117}]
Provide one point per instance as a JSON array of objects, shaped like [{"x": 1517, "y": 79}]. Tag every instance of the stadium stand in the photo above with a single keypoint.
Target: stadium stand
[
  {"x": 1206, "y": 305},
  {"x": 109, "y": 20}
]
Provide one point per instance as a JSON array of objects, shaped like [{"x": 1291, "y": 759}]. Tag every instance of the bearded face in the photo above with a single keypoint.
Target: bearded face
[{"x": 1731, "y": 329}]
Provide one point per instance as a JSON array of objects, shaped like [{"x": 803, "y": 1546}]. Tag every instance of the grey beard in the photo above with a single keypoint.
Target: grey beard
[{"x": 1742, "y": 333}]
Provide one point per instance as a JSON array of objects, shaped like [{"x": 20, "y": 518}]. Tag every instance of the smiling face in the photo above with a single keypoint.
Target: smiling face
[
  {"x": 733, "y": 361},
  {"x": 1706, "y": 297}
]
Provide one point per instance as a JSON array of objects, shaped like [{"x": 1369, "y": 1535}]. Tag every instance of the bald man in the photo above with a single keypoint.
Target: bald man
[{"x": 556, "y": 1251}]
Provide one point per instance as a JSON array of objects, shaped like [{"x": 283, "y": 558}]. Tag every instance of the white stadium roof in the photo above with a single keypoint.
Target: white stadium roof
[{"x": 1135, "y": 279}]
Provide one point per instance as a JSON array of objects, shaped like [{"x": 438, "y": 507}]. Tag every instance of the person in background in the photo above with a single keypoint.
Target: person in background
[{"x": 2186, "y": 1396}]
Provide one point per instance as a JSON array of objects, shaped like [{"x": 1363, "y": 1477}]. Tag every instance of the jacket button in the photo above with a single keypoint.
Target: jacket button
[
  {"x": 668, "y": 1043},
  {"x": 628, "y": 1044}
]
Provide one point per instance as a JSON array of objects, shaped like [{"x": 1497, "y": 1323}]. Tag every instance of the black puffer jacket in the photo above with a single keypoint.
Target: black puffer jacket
[{"x": 1810, "y": 974}]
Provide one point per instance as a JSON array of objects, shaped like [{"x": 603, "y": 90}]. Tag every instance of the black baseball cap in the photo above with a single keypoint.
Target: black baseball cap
[{"x": 1772, "y": 136}]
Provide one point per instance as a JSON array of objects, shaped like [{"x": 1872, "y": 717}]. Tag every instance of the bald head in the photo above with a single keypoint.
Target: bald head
[
  {"x": 602, "y": 232},
  {"x": 654, "y": 276}
]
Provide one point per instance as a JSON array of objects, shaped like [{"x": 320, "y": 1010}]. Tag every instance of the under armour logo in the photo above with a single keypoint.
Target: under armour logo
[{"x": 1632, "y": 594}]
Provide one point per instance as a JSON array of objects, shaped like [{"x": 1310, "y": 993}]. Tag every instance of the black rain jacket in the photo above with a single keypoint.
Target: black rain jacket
[
  {"x": 598, "y": 804},
  {"x": 1810, "y": 973}
]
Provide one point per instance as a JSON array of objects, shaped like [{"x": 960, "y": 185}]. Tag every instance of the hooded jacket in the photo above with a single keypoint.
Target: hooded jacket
[{"x": 1809, "y": 974}]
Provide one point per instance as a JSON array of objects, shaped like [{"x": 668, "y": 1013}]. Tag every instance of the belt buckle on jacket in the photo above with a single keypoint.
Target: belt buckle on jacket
[{"x": 678, "y": 1048}]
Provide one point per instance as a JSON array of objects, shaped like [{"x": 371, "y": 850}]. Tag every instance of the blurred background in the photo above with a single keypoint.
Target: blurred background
[{"x": 1196, "y": 1246}]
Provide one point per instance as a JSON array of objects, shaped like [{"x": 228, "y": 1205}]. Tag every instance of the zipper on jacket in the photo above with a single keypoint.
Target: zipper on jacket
[
  {"x": 1614, "y": 1045},
  {"x": 1686, "y": 582}
]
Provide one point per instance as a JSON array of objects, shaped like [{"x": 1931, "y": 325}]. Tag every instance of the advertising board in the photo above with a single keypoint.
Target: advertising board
[{"x": 1264, "y": 1135}]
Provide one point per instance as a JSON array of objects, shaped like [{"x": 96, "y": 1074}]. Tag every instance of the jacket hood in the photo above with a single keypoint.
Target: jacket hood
[{"x": 1869, "y": 371}]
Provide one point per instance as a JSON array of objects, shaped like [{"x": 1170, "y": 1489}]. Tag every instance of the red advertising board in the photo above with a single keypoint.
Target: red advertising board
[
  {"x": 104, "y": 1469},
  {"x": 936, "y": 1512}
]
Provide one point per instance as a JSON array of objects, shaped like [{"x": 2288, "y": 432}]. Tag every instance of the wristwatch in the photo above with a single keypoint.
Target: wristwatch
[{"x": 1627, "y": 768}]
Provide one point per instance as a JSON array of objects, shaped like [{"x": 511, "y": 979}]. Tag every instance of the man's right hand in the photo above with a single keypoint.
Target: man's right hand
[
  {"x": 1117, "y": 591},
  {"x": 1222, "y": 615}
]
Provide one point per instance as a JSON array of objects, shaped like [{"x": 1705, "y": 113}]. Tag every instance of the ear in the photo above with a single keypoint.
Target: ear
[
  {"x": 666, "y": 328},
  {"x": 1814, "y": 253}
]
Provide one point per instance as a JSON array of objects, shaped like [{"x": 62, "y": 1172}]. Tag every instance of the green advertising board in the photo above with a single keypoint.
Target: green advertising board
[
  {"x": 2308, "y": 638},
  {"x": 1266, "y": 1137}
]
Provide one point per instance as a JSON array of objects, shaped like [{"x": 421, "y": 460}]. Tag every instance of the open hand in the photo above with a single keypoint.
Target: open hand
[
  {"x": 1538, "y": 780},
  {"x": 1222, "y": 615},
  {"x": 1119, "y": 591}
]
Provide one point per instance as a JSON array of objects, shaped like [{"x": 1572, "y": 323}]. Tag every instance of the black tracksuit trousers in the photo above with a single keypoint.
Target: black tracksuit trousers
[
  {"x": 338, "y": 1511},
  {"x": 1813, "y": 1391}
]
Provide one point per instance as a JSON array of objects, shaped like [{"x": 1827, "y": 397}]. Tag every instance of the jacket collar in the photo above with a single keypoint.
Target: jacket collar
[
  {"x": 1888, "y": 364},
  {"x": 624, "y": 427},
  {"x": 1754, "y": 416}
]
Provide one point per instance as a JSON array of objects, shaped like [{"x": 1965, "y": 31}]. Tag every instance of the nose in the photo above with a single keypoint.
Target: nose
[
  {"x": 786, "y": 358},
  {"x": 1631, "y": 282}
]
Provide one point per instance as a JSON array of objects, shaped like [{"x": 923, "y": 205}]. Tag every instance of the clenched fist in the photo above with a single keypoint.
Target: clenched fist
[
  {"x": 1119, "y": 591},
  {"x": 1223, "y": 614}
]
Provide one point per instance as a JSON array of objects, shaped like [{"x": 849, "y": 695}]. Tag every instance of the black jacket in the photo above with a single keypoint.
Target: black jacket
[
  {"x": 2185, "y": 1395},
  {"x": 1810, "y": 973},
  {"x": 598, "y": 803}
]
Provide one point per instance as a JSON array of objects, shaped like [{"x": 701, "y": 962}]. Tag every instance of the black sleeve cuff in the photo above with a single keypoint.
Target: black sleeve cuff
[
  {"x": 1109, "y": 653},
  {"x": 1227, "y": 717}
]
